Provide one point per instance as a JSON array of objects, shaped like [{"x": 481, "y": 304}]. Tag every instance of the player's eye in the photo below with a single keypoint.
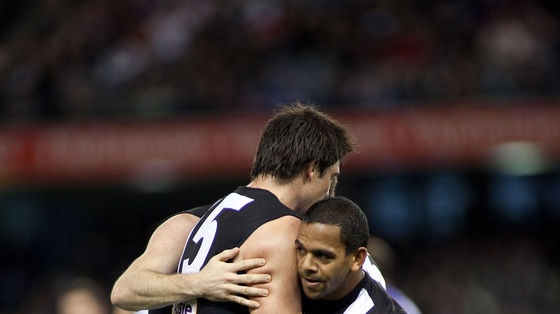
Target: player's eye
[
  {"x": 300, "y": 250},
  {"x": 323, "y": 256}
]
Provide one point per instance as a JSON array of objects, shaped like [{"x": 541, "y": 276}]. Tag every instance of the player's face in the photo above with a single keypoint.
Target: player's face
[{"x": 323, "y": 264}]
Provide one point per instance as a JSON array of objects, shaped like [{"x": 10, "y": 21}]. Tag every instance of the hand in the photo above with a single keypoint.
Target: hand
[{"x": 222, "y": 282}]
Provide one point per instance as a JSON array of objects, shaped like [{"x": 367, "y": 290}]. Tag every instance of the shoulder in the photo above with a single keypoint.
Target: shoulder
[
  {"x": 173, "y": 231},
  {"x": 274, "y": 238},
  {"x": 281, "y": 226},
  {"x": 166, "y": 244},
  {"x": 197, "y": 211},
  {"x": 277, "y": 233},
  {"x": 181, "y": 221}
]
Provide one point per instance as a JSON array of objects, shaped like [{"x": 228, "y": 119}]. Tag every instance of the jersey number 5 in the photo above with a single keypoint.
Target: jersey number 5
[{"x": 207, "y": 231}]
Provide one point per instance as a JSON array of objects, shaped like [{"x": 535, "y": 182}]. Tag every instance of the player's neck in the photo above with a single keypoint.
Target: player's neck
[{"x": 286, "y": 192}]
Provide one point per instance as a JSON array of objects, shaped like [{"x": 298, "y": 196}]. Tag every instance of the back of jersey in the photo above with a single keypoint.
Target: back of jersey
[{"x": 227, "y": 224}]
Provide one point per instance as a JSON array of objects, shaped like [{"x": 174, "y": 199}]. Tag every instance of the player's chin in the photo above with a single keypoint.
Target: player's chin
[
  {"x": 313, "y": 295},
  {"x": 313, "y": 292}
]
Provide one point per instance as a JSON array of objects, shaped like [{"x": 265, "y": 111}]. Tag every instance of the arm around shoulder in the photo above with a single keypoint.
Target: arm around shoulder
[{"x": 151, "y": 280}]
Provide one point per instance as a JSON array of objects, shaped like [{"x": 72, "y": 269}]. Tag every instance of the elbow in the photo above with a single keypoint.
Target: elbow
[
  {"x": 117, "y": 298},
  {"x": 124, "y": 298},
  {"x": 120, "y": 297}
]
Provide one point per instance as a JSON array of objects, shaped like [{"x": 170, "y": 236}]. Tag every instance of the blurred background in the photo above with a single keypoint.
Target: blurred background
[{"x": 116, "y": 114}]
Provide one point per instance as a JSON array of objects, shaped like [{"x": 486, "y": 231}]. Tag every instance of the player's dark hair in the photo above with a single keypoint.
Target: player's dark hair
[
  {"x": 297, "y": 135},
  {"x": 342, "y": 212}
]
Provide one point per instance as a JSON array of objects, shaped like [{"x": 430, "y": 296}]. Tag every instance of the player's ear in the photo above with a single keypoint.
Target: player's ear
[
  {"x": 360, "y": 256},
  {"x": 311, "y": 170}
]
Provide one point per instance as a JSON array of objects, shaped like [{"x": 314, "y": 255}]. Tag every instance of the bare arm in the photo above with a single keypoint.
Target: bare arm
[
  {"x": 275, "y": 242},
  {"x": 151, "y": 280}
]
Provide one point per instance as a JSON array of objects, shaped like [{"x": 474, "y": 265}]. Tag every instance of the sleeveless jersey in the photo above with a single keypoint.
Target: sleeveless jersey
[
  {"x": 368, "y": 297},
  {"x": 227, "y": 224},
  {"x": 370, "y": 266}
]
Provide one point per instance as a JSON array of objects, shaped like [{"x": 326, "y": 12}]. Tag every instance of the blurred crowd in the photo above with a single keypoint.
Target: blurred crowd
[
  {"x": 68, "y": 294},
  {"x": 485, "y": 275},
  {"x": 68, "y": 59}
]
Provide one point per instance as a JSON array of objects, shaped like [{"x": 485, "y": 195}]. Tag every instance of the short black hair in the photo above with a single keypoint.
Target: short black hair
[{"x": 342, "y": 212}]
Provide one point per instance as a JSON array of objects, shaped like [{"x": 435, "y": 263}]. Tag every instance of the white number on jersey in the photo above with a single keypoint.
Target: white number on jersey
[{"x": 207, "y": 231}]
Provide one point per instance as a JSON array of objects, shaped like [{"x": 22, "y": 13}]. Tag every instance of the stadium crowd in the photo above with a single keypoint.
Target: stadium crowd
[{"x": 65, "y": 59}]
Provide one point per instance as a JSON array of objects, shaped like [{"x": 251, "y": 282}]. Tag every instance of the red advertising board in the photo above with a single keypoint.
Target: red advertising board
[{"x": 223, "y": 146}]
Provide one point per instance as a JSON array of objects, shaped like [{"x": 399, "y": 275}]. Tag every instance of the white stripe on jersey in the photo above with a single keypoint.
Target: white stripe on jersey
[
  {"x": 373, "y": 271},
  {"x": 361, "y": 305}
]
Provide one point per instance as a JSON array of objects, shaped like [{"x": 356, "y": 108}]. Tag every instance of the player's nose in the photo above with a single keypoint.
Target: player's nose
[{"x": 307, "y": 264}]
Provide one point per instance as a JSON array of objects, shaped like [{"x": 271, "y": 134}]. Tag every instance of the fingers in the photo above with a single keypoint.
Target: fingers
[
  {"x": 239, "y": 266},
  {"x": 226, "y": 255},
  {"x": 252, "y": 279},
  {"x": 250, "y": 291},
  {"x": 247, "y": 264},
  {"x": 243, "y": 292},
  {"x": 245, "y": 302}
]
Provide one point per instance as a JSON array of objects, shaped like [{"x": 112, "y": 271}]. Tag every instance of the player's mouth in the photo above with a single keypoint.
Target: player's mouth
[{"x": 310, "y": 283}]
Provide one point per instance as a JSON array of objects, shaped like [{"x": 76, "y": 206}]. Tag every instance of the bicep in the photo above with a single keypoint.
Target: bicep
[{"x": 274, "y": 241}]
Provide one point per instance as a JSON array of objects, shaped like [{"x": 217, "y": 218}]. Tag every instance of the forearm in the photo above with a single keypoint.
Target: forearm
[{"x": 147, "y": 290}]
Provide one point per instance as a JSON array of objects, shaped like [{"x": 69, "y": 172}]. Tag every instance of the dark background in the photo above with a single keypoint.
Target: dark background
[{"x": 466, "y": 239}]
